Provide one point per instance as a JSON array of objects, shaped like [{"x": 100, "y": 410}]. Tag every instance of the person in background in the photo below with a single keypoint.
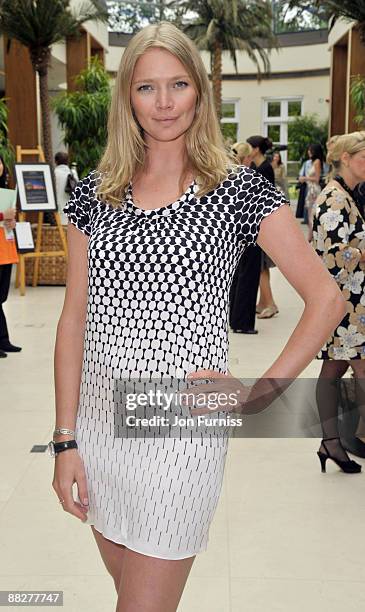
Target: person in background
[
  {"x": 260, "y": 145},
  {"x": 62, "y": 173},
  {"x": 243, "y": 294},
  {"x": 338, "y": 230},
  {"x": 280, "y": 174},
  {"x": 243, "y": 153},
  {"x": 266, "y": 307},
  {"x": 313, "y": 181},
  {"x": 8, "y": 218},
  {"x": 302, "y": 185}
]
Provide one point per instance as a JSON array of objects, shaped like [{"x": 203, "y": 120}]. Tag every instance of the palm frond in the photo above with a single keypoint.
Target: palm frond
[
  {"x": 237, "y": 25},
  {"x": 42, "y": 23},
  {"x": 332, "y": 10}
]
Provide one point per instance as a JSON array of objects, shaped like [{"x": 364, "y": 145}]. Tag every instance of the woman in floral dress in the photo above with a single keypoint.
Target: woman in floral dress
[{"x": 339, "y": 238}]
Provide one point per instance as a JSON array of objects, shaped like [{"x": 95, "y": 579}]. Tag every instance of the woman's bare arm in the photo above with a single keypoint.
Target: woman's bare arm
[
  {"x": 70, "y": 332},
  {"x": 324, "y": 306},
  {"x": 69, "y": 468},
  {"x": 317, "y": 176}
]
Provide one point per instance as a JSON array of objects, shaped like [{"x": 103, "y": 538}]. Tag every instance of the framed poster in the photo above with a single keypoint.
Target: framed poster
[{"x": 35, "y": 187}]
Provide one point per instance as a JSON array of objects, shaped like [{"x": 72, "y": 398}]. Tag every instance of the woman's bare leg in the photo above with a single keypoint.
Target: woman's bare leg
[
  {"x": 112, "y": 554},
  {"x": 266, "y": 296},
  {"x": 149, "y": 584}
]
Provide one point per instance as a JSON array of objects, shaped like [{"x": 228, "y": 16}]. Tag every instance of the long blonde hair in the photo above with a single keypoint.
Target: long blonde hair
[
  {"x": 346, "y": 143},
  {"x": 125, "y": 148}
]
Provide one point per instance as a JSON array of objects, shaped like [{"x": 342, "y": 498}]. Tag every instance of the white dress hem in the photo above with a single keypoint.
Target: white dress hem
[{"x": 143, "y": 552}]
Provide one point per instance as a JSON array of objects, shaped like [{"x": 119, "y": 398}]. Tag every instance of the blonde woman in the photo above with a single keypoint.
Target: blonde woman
[
  {"x": 243, "y": 153},
  {"x": 339, "y": 239},
  {"x": 154, "y": 237}
]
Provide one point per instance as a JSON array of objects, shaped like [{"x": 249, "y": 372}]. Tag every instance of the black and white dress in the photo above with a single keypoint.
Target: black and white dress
[{"x": 158, "y": 287}]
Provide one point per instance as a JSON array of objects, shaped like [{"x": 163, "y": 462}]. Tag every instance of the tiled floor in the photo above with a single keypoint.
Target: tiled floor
[{"x": 285, "y": 537}]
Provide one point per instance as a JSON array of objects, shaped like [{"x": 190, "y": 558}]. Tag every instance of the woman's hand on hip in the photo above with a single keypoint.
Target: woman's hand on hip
[{"x": 226, "y": 393}]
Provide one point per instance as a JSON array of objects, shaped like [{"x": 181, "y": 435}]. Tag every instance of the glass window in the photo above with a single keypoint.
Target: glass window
[
  {"x": 228, "y": 109},
  {"x": 274, "y": 109},
  {"x": 230, "y": 120},
  {"x": 294, "y": 108},
  {"x": 278, "y": 115},
  {"x": 273, "y": 132}
]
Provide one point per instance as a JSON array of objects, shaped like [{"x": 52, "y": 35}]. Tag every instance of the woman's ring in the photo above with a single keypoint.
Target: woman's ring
[{"x": 61, "y": 501}]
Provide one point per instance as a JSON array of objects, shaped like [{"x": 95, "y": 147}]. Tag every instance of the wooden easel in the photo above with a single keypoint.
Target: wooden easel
[{"x": 37, "y": 253}]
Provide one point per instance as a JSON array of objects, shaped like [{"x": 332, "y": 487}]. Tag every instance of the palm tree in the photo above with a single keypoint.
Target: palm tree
[
  {"x": 231, "y": 25},
  {"x": 38, "y": 24},
  {"x": 351, "y": 10}
]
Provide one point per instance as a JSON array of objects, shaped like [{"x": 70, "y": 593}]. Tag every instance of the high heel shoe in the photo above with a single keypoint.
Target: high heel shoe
[{"x": 349, "y": 466}]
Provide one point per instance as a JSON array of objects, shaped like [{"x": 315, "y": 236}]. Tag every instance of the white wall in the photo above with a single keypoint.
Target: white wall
[
  {"x": 306, "y": 57},
  {"x": 313, "y": 90}
]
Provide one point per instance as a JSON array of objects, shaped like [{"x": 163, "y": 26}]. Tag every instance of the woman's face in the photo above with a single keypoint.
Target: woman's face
[
  {"x": 246, "y": 160},
  {"x": 255, "y": 153},
  {"x": 162, "y": 95},
  {"x": 356, "y": 165},
  {"x": 1, "y": 167},
  {"x": 276, "y": 158}
]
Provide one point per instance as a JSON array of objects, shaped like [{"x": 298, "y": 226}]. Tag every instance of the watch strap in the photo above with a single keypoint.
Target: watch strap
[{"x": 59, "y": 447}]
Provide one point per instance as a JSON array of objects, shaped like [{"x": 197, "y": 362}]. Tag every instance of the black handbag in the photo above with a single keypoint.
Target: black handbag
[{"x": 70, "y": 183}]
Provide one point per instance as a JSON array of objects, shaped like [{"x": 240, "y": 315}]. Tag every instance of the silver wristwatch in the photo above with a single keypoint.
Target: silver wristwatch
[{"x": 54, "y": 448}]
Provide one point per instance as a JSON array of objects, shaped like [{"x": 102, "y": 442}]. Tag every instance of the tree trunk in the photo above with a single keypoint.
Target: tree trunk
[
  {"x": 40, "y": 60},
  {"x": 46, "y": 116},
  {"x": 217, "y": 77}
]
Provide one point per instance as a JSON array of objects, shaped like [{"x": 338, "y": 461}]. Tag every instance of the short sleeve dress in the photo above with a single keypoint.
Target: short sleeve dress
[
  {"x": 338, "y": 233},
  {"x": 158, "y": 288}
]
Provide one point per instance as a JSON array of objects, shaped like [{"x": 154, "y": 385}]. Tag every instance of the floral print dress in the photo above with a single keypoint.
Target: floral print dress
[
  {"x": 338, "y": 233},
  {"x": 313, "y": 191}
]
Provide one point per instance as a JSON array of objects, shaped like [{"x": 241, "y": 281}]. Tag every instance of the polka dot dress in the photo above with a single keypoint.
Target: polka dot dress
[{"x": 158, "y": 287}]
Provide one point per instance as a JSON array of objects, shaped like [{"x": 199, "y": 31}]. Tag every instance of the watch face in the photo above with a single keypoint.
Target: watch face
[{"x": 51, "y": 450}]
